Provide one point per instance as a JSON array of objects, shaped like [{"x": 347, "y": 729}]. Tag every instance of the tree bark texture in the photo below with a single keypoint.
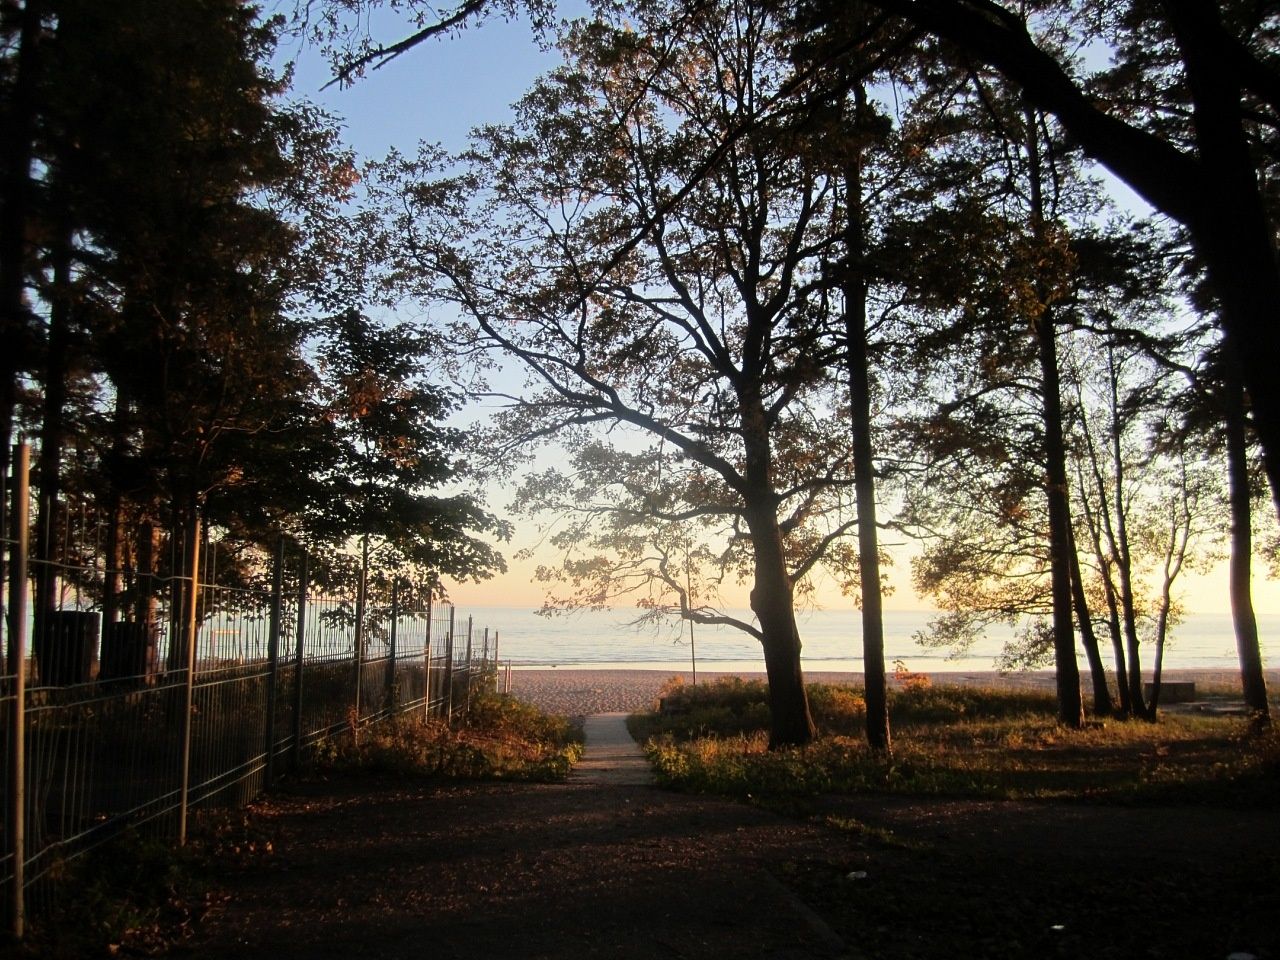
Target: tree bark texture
[
  {"x": 857, "y": 362},
  {"x": 773, "y": 593},
  {"x": 1067, "y": 671},
  {"x": 772, "y": 601},
  {"x": 1088, "y": 639},
  {"x": 1252, "y": 679}
]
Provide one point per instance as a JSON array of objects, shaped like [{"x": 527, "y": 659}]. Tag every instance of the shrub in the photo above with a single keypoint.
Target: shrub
[{"x": 499, "y": 738}]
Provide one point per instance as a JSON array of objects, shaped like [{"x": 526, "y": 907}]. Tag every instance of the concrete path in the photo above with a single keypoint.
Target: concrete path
[{"x": 611, "y": 758}]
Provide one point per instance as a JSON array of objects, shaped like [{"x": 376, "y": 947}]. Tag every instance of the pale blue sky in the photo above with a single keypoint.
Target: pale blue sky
[{"x": 436, "y": 92}]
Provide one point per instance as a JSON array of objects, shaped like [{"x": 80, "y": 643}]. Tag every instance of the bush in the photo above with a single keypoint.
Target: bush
[{"x": 498, "y": 739}]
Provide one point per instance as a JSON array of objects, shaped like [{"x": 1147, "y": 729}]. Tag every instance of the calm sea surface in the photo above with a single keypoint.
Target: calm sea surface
[{"x": 831, "y": 641}]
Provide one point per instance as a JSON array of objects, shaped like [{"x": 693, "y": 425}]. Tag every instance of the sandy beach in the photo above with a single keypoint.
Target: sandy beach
[{"x": 580, "y": 692}]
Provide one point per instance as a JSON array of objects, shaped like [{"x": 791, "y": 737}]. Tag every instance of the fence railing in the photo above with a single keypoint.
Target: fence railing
[{"x": 125, "y": 723}]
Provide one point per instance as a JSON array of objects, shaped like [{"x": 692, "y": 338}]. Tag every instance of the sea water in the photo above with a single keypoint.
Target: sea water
[{"x": 830, "y": 639}]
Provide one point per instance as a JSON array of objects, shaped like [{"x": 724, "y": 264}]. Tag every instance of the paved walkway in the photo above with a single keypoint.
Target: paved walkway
[{"x": 612, "y": 757}]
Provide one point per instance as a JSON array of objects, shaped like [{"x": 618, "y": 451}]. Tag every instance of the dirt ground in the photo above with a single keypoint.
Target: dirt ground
[{"x": 394, "y": 868}]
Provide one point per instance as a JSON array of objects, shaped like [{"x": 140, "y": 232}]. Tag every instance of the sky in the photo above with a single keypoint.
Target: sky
[{"x": 437, "y": 93}]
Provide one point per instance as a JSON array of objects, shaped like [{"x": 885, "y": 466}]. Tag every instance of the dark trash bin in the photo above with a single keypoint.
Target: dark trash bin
[
  {"x": 128, "y": 651},
  {"x": 66, "y": 646}
]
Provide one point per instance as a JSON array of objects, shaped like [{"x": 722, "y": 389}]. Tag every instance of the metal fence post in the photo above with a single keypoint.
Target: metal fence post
[
  {"x": 188, "y": 695},
  {"x": 426, "y": 665},
  {"x": 361, "y": 586},
  {"x": 273, "y": 660},
  {"x": 297, "y": 661},
  {"x": 16, "y": 809},
  {"x": 467, "y": 700},
  {"x": 391, "y": 643},
  {"x": 448, "y": 668}
]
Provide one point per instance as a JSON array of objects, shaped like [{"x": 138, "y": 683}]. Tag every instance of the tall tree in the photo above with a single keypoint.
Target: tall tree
[
  {"x": 1187, "y": 118},
  {"x": 701, "y": 334}
]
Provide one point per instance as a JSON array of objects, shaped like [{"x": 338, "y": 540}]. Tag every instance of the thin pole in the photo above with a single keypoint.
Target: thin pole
[
  {"x": 448, "y": 667},
  {"x": 188, "y": 693},
  {"x": 17, "y": 808},
  {"x": 688, "y": 593},
  {"x": 693, "y": 654},
  {"x": 273, "y": 658},
  {"x": 467, "y": 699},
  {"x": 426, "y": 664},
  {"x": 297, "y": 661},
  {"x": 391, "y": 660},
  {"x": 360, "y": 601}
]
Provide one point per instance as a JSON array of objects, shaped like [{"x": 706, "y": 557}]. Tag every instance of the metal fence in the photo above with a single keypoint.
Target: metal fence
[{"x": 131, "y": 724}]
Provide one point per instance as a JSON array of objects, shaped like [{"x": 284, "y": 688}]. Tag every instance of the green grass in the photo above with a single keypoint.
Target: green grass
[{"x": 955, "y": 741}]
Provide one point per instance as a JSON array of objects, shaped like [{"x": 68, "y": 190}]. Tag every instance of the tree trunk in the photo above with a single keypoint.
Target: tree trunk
[
  {"x": 1088, "y": 639},
  {"x": 1095, "y": 525},
  {"x": 772, "y": 600},
  {"x": 1070, "y": 702},
  {"x": 52, "y": 428},
  {"x": 114, "y": 549},
  {"x": 1252, "y": 679},
  {"x": 1117, "y": 648},
  {"x": 858, "y": 364}
]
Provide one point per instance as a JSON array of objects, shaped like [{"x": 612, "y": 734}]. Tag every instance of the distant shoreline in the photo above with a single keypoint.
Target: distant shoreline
[{"x": 573, "y": 692}]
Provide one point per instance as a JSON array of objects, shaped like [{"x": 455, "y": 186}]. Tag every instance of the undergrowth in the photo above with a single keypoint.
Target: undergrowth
[
  {"x": 498, "y": 739},
  {"x": 955, "y": 741}
]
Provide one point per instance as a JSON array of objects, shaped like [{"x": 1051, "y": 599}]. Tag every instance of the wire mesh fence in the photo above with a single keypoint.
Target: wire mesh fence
[{"x": 134, "y": 722}]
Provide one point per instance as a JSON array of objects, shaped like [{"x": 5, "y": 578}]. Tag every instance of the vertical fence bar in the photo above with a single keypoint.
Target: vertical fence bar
[
  {"x": 273, "y": 660},
  {"x": 188, "y": 693},
  {"x": 426, "y": 664},
  {"x": 448, "y": 667},
  {"x": 359, "y": 634},
  {"x": 16, "y": 809},
  {"x": 391, "y": 643},
  {"x": 467, "y": 699},
  {"x": 298, "y": 651}
]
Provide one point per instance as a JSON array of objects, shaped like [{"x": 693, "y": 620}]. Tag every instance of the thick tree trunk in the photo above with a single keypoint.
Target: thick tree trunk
[
  {"x": 858, "y": 364},
  {"x": 1067, "y": 671},
  {"x": 772, "y": 600},
  {"x": 1070, "y": 702},
  {"x": 1252, "y": 679}
]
